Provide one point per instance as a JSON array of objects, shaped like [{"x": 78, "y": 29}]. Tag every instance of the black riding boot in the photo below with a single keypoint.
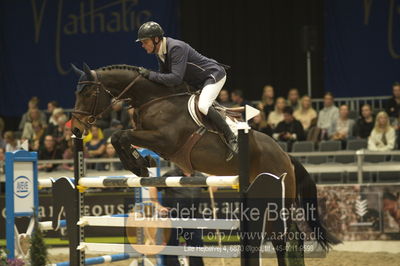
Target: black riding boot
[{"x": 223, "y": 128}]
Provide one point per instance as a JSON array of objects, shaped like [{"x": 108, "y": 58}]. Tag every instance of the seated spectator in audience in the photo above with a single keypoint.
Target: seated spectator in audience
[
  {"x": 223, "y": 98},
  {"x": 327, "y": 115},
  {"x": 57, "y": 131},
  {"x": 12, "y": 144},
  {"x": 2, "y": 160},
  {"x": 68, "y": 155},
  {"x": 95, "y": 147},
  {"x": 34, "y": 132},
  {"x": 50, "y": 108},
  {"x": 393, "y": 104},
  {"x": 115, "y": 126},
  {"x": 267, "y": 103},
  {"x": 57, "y": 112},
  {"x": 2, "y": 142},
  {"x": 120, "y": 113},
  {"x": 276, "y": 116},
  {"x": 33, "y": 104},
  {"x": 66, "y": 137},
  {"x": 109, "y": 153},
  {"x": 293, "y": 99},
  {"x": 306, "y": 113},
  {"x": 342, "y": 127},
  {"x": 396, "y": 126},
  {"x": 382, "y": 137},
  {"x": 49, "y": 151},
  {"x": 290, "y": 129},
  {"x": 365, "y": 124},
  {"x": 237, "y": 98},
  {"x": 259, "y": 123}
]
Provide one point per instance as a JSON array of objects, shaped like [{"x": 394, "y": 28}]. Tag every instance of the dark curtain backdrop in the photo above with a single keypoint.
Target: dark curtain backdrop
[{"x": 260, "y": 40}]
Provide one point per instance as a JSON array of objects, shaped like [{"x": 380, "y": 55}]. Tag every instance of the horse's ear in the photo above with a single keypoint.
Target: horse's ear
[
  {"x": 87, "y": 71},
  {"x": 77, "y": 71}
]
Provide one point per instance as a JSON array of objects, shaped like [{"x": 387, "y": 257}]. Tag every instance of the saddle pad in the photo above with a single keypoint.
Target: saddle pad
[{"x": 232, "y": 123}]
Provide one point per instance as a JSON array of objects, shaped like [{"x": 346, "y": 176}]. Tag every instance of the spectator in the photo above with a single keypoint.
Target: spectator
[
  {"x": 342, "y": 127},
  {"x": 178, "y": 199},
  {"x": 327, "y": 115},
  {"x": 223, "y": 98},
  {"x": 57, "y": 112},
  {"x": 115, "y": 126},
  {"x": 49, "y": 151},
  {"x": 110, "y": 153},
  {"x": 57, "y": 131},
  {"x": 260, "y": 124},
  {"x": 2, "y": 143},
  {"x": 306, "y": 113},
  {"x": 293, "y": 99},
  {"x": 50, "y": 108},
  {"x": 32, "y": 105},
  {"x": 290, "y": 129},
  {"x": 365, "y": 124},
  {"x": 382, "y": 137},
  {"x": 96, "y": 145},
  {"x": 119, "y": 112},
  {"x": 12, "y": 144},
  {"x": 2, "y": 160},
  {"x": 237, "y": 98},
  {"x": 267, "y": 103},
  {"x": 34, "y": 133},
  {"x": 276, "y": 116},
  {"x": 68, "y": 155},
  {"x": 393, "y": 105},
  {"x": 67, "y": 136}
]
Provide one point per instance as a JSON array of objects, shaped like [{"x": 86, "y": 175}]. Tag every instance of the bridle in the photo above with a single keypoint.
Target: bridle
[{"x": 92, "y": 116}]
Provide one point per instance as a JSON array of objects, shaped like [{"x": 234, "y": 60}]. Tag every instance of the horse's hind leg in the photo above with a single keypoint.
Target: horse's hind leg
[
  {"x": 126, "y": 154},
  {"x": 280, "y": 250}
]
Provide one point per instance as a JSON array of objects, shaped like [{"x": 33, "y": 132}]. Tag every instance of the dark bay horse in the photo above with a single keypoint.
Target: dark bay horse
[{"x": 164, "y": 125}]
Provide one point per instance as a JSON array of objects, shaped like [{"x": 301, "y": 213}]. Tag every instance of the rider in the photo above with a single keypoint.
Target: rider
[{"x": 179, "y": 62}]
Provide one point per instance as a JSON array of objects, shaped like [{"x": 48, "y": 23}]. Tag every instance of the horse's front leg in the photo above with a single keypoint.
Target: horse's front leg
[
  {"x": 129, "y": 156},
  {"x": 131, "y": 159}
]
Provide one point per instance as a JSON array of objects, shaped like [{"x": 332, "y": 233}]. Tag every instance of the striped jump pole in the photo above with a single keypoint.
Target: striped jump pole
[{"x": 172, "y": 181}]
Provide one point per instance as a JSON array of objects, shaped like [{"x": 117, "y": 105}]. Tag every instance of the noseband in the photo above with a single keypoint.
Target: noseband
[{"x": 92, "y": 116}]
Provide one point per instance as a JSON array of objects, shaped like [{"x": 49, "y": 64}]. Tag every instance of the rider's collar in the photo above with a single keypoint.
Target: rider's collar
[{"x": 163, "y": 48}]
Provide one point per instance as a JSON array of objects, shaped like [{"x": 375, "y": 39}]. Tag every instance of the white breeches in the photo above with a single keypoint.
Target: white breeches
[{"x": 208, "y": 94}]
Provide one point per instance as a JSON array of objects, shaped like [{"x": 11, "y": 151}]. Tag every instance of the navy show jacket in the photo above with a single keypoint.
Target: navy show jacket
[{"x": 183, "y": 63}]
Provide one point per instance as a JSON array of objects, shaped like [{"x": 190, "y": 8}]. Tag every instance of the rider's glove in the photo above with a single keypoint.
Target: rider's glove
[{"x": 144, "y": 72}]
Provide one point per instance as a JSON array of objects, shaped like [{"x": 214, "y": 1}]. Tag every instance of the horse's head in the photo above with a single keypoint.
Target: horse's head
[{"x": 92, "y": 99}]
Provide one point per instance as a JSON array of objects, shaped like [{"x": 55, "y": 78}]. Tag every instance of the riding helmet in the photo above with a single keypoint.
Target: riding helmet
[{"x": 150, "y": 30}]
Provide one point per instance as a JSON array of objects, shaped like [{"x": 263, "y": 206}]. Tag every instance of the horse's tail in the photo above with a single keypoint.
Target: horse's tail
[{"x": 307, "y": 197}]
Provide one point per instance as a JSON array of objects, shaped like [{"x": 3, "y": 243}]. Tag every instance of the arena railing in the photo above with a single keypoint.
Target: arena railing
[
  {"x": 354, "y": 103},
  {"x": 359, "y": 167}
]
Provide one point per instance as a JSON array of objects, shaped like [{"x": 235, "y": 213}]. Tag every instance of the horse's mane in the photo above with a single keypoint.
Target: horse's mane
[{"x": 119, "y": 66}]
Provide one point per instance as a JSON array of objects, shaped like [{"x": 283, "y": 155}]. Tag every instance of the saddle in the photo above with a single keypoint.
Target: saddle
[{"x": 182, "y": 156}]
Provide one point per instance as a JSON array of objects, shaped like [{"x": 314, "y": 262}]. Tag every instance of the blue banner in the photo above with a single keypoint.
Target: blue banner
[
  {"x": 40, "y": 38},
  {"x": 362, "y": 47}
]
